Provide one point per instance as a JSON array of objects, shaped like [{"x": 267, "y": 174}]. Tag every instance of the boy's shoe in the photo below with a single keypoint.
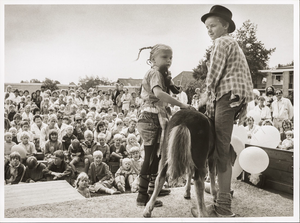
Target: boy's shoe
[
  {"x": 163, "y": 192},
  {"x": 116, "y": 192},
  {"x": 222, "y": 212},
  {"x": 121, "y": 188},
  {"x": 143, "y": 199}
]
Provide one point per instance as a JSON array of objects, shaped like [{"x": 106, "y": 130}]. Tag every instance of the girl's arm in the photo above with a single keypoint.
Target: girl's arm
[{"x": 165, "y": 97}]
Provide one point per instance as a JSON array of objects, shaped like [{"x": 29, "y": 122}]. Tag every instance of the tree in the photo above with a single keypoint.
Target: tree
[
  {"x": 256, "y": 54},
  {"x": 92, "y": 81},
  {"x": 34, "y": 81},
  {"x": 25, "y": 81},
  {"x": 50, "y": 84}
]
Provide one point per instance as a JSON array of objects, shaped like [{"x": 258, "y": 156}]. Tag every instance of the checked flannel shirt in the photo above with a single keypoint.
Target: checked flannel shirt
[{"x": 228, "y": 71}]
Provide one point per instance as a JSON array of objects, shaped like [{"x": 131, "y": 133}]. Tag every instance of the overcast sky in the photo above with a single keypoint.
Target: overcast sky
[{"x": 66, "y": 42}]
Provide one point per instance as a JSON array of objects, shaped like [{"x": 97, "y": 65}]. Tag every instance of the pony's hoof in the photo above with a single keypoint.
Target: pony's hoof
[
  {"x": 187, "y": 196},
  {"x": 194, "y": 212},
  {"x": 147, "y": 214}
]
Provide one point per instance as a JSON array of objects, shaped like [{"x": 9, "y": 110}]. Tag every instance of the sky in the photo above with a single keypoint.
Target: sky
[{"x": 68, "y": 42}]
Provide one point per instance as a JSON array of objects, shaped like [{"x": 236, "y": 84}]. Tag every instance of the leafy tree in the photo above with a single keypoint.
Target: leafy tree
[
  {"x": 34, "y": 81},
  {"x": 256, "y": 54},
  {"x": 285, "y": 65},
  {"x": 50, "y": 84},
  {"x": 24, "y": 81},
  {"x": 92, "y": 81}
]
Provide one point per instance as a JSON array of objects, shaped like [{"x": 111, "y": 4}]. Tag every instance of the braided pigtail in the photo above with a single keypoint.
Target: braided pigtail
[{"x": 144, "y": 48}]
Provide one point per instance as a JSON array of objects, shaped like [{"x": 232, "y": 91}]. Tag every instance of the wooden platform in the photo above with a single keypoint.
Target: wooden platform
[
  {"x": 280, "y": 172},
  {"x": 29, "y": 194}
]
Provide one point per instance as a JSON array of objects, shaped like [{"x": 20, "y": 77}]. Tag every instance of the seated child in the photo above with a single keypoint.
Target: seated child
[
  {"x": 25, "y": 128},
  {"x": 68, "y": 137},
  {"x": 14, "y": 132},
  {"x": 103, "y": 147},
  {"x": 82, "y": 185},
  {"x": 34, "y": 171},
  {"x": 117, "y": 150},
  {"x": 136, "y": 164},
  {"x": 52, "y": 145},
  {"x": 288, "y": 143},
  {"x": 28, "y": 146},
  {"x": 101, "y": 178},
  {"x": 88, "y": 147},
  {"x": 124, "y": 175},
  {"x": 8, "y": 144},
  {"x": 76, "y": 153},
  {"x": 58, "y": 169},
  {"x": 14, "y": 169},
  {"x": 132, "y": 141}
]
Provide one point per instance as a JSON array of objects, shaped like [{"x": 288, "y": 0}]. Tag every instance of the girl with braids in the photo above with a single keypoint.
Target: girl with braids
[{"x": 154, "y": 117}]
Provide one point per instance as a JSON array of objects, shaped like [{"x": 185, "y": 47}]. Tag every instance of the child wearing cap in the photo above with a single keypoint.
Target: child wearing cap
[
  {"x": 58, "y": 169},
  {"x": 229, "y": 89}
]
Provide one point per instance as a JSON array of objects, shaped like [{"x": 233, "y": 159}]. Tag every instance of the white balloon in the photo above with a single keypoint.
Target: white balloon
[
  {"x": 254, "y": 160},
  {"x": 255, "y": 115},
  {"x": 240, "y": 132},
  {"x": 266, "y": 136},
  {"x": 238, "y": 146}
]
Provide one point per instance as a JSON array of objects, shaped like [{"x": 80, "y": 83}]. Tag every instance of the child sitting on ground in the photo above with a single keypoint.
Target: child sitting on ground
[
  {"x": 88, "y": 147},
  {"x": 104, "y": 148},
  {"x": 8, "y": 144},
  {"x": 132, "y": 141},
  {"x": 76, "y": 153},
  {"x": 124, "y": 175},
  {"x": 34, "y": 171},
  {"x": 28, "y": 146},
  {"x": 68, "y": 137},
  {"x": 25, "y": 128},
  {"x": 288, "y": 143},
  {"x": 14, "y": 132},
  {"x": 52, "y": 145},
  {"x": 136, "y": 164},
  {"x": 58, "y": 169},
  {"x": 101, "y": 178},
  {"x": 82, "y": 185},
  {"x": 117, "y": 150},
  {"x": 14, "y": 169}
]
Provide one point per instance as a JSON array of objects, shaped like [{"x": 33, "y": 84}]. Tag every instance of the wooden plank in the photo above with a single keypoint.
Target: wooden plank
[
  {"x": 277, "y": 153},
  {"x": 279, "y": 186},
  {"x": 281, "y": 165},
  {"x": 280, "y": 176},
  {"x": 23, "y": 194}
]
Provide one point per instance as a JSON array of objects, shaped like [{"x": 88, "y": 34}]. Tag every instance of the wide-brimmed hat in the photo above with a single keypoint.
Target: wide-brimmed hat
[{"x": 224, "y": 13}]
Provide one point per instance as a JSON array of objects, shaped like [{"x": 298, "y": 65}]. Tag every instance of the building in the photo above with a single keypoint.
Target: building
[
  {"x": 184, "y": 79},
  {"x": 31, "y": 87},
  {"x": 280, "y": 78}
]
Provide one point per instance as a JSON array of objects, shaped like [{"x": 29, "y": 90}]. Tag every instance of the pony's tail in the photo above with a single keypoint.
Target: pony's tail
[{"x": 180, "y": 160}]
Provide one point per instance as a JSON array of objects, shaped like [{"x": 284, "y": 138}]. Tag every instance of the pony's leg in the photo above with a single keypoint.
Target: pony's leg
[
  {"x": 187, "y": 189},
  {"x": 199, "y": 189},
  {"x": 159, "y": 183},
  {"x": 212, "y": 175}
]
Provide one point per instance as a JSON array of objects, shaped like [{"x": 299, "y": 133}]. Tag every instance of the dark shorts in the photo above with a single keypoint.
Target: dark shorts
[{"x": 149, "y": 128}]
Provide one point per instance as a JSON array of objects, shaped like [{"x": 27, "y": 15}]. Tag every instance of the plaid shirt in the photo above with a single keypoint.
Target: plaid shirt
[{"x": 228, "y": 71}]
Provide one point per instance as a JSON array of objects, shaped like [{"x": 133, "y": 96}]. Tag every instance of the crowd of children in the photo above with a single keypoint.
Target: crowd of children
[
  {"x": 94, "y": 128},
  {"x": 69, "y": 127}
]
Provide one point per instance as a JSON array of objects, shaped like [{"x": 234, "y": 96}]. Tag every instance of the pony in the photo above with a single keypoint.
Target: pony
[{"x": 188, "y": 150}]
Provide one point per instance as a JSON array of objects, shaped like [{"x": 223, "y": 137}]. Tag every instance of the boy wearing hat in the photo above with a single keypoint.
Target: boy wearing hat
[{"x": 228, "y": 90}]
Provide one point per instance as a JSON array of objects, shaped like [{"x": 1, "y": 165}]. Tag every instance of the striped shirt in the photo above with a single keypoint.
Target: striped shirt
[{"x": 228, "y": 71}]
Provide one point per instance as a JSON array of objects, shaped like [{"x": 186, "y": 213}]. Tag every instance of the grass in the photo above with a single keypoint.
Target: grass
[{"x": 248, "y": 201}]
